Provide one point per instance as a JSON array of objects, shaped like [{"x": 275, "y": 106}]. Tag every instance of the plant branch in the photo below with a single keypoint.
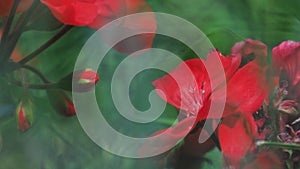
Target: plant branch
[
  {"x": 51, "y": 41},
  {"x": 7, "y": 27},
  {"x": 11, "y": 42},
  {"x": 33, "y": 86},
  {"x": 37, "y": 72},
  {"x": 8, "y": 23},
  {"x": 279, "y": 145}
]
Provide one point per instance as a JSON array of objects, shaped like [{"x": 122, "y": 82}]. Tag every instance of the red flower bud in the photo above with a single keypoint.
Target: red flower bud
[
  {"x": 83, "y": 80},
  {"x": 61, "y": 102},
  {"x": 24, "y": 115}
]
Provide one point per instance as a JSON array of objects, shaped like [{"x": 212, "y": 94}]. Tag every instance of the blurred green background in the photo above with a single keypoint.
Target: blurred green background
[{"x": 57, "y": 142}]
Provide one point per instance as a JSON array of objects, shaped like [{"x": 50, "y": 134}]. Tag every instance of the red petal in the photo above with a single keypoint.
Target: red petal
[
  {"x": 246, "y": 90},
  {"x": 23, "y": 123},
  {"x": 286, "y": 58},
  {"x": 78, "y": 13},
  {"x": 181, "y": 87},
  {"x": 168, "y": 138},
  {"x": 181, "y": 78},
  {"x": 236, "y": 135},
  {"x": 141, "y": 23},
  {"x": 230, "y": 65},
  {"x": 249, "y": 46}
]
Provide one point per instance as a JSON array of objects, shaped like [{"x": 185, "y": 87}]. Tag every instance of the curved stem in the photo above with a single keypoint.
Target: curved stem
[
  {"x": 37, "y": 72},
  {"x": 11, "y": 42},
  {"x": 51, "y": 41},
  {"x": 9, "y": 22},
  {"x": 7, "y": 27},
  {"x": 34, "y": 86},
  {"x": 279, "y": 145}
]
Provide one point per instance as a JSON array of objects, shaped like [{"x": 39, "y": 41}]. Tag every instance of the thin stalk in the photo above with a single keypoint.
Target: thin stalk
[
  {"x": 278, "y": 145},
  {"x": 11, "y": 42},
  {"x": 46, "y": 45},
  {"x": 8, "y": 23},
  {"x": 37, "y": 72},
  {"x": 34, "y": 86}
]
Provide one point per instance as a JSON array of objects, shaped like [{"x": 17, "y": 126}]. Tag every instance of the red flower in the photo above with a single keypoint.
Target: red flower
[
  {"x": 96, "y": 13},
  {"x": 237, "y": 134},
  {"x": 246, "y": 91},
  {"x": 74, "y": 12},
  {"x": 188, "y": 86},
  {"x": 251, "y": 50},
  {"x": 24, "y": 115},
  {"x": 61, "y": 102},
  {"x": 286, "y": 60},
  {"x": 245, "y": 86},
  {"x": 257, "y": 52},
  {"x": 6, "y": 5}
]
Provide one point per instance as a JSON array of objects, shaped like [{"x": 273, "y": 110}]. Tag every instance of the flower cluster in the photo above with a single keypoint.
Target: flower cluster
[{"x": 257, "y": 95}]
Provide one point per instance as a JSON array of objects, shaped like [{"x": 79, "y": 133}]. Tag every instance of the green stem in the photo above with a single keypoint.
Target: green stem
[
  {"x": 37, "y": 72},
  {"x": 8, "y": 24},
  {"x": 11, "y": 43},
  {"x": 278, "y": 145},
  {"x": 46, "y": 45},
  {"x": 47, "y": 83},
  {"x": 34, "y": 86}
]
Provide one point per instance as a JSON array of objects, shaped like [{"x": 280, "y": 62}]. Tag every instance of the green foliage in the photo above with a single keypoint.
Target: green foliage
[{"x": 55, "y": 141}]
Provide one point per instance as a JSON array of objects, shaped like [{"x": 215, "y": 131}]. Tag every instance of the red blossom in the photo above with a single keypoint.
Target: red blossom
[
  {"x": 96, "y": 13},
  {"x": 286, "y": 58},
  {"x": 188, "y": 87},
  {"x": 246, "y": 90},
  {"x": 286, "y": 61},
  {"x": 237, "y": 134},
  {"x": 251, "y": 50}
]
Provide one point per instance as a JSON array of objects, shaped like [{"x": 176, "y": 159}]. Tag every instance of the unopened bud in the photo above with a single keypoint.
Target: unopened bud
[
  {"x": 83, "y": 80},
  {"x": 24, "y": 115},
  {"x": 61, "y": 102}
]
